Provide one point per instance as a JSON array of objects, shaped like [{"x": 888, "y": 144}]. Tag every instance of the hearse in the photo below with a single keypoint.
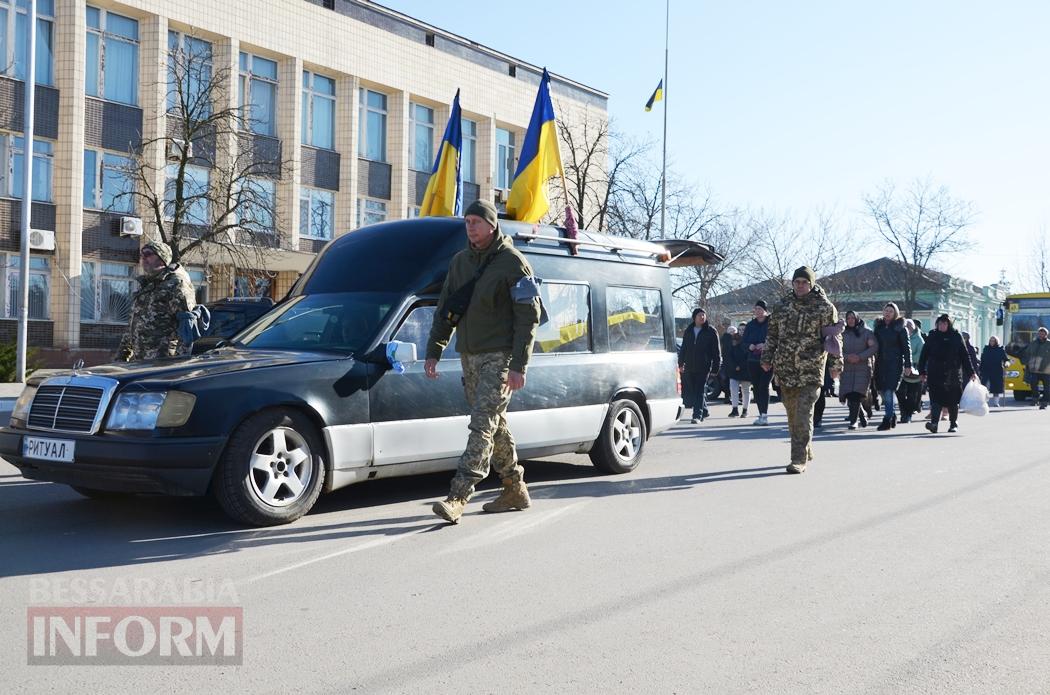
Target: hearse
[{"x": 305, "y": 401}]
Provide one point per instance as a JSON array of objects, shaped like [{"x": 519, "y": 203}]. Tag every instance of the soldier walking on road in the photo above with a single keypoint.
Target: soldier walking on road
[
  {"x": 165, "y": 290},
  {"x": 492, "y": 301},
  {"x": 796, "y": 350}
]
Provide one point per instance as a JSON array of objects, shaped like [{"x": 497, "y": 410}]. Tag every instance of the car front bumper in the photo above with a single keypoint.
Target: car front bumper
[{"x": 170, "y": 466}]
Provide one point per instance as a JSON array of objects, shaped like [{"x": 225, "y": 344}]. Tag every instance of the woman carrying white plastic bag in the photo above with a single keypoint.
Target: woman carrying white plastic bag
[{"x": 974, "y": 399}]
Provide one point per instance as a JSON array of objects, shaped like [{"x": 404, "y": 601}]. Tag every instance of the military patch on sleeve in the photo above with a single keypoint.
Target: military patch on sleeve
[{"x": 525, "y": 290}]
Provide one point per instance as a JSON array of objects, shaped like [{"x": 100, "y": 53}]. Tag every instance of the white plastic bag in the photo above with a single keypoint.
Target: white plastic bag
[{"x": 975, "y": 399}]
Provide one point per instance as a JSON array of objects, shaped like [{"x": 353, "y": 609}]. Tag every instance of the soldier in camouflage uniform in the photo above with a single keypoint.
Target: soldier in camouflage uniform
[
  {"x": 796, "y": 352},
  {"x": 164, "y": 291},
  {"x": 494, "y": 338}
]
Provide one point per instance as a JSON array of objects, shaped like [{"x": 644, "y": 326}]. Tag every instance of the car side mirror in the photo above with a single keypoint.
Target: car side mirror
[
  {"x": 207, "y": 343},
  {"x": 405, "y": 353}
]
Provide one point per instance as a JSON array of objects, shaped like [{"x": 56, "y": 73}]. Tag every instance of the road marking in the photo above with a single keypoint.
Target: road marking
[
  {"x": 367, "y": 545},
  {"x": 511, "y": 527}
]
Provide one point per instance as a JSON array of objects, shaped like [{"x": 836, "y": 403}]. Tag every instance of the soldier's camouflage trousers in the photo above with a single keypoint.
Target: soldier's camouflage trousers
[
  {"x": 799, "y": 402},
  {"x": 485, "y": 381}
]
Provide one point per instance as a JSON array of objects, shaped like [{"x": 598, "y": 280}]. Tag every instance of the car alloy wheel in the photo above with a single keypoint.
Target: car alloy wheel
[{"x": 281, "y": 467}]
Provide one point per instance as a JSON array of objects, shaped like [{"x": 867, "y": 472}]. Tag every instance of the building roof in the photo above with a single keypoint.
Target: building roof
[{"x": 881, "y": 275}]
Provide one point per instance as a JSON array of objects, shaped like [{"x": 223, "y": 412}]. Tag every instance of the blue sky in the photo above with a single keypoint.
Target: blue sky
[{"x": 795, "y": 105}]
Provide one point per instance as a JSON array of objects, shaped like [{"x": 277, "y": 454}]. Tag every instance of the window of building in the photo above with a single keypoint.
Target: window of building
[
  {"x": 421, "y": 145},
  {"x": 468, "y": 158},
  {"x": 112, "y": 70},
  {"x": 199, "y": 278},
  {"x": 372, "y": 126},
  {"x": 370, "y": 211},
  {"x": 258, "y": 94},
  {"x": 258, "y": 205},
  {"x": 569, "y": 326},
  {"x": 14, "y": 44},
  {"x": 316, "y": 213},
  {"x": 108, "y": 182},
  {"x": 635, "y": 319},
  {"x": 106, "y": 290},
  {"x": 413, "y": 211},
  {"x": 12, "y": 167},
  {"x": 318, "y": 110},
  {"x": 195, "y": 195},
  {"x": 39, "y": 286},
  {"x": 252, "y": 286},
  {"x": 189, "y": 75},
  {"x": 504, "y": 158}
]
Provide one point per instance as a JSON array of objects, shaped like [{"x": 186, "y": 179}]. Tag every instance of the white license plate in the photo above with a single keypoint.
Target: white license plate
[{"x": 48, "y": 449}]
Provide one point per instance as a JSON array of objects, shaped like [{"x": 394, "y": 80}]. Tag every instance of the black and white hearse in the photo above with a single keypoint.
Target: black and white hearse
[{"x": 299, "y": 403}]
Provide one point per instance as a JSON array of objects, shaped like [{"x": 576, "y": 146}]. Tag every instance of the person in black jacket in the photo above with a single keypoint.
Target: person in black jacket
[
  {"x": 945, "y": 366},
  {"x": 993, "y": 367},
  {"x": 893, "y": 360},
  {"x": 699, "y": 357}
]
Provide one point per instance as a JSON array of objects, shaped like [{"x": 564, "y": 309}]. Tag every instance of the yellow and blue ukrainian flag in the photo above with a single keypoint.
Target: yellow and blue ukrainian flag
[
  {"x": 444, "y": 194},
  {"x": 658, "y": 95},
  {"x": 540, "y": 159}
]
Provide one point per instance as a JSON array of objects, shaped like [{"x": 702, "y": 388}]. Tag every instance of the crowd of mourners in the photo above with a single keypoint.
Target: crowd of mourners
[{"x": 889, "y": 366}]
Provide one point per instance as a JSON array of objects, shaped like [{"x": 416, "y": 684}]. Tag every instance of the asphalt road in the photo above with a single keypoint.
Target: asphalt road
[{"x": 899, "y": 563}]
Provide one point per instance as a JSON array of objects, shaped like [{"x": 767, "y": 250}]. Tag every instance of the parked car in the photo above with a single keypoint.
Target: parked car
[
  {"x": 232, "y": 315},
  {"x": 304, "y": 401}
]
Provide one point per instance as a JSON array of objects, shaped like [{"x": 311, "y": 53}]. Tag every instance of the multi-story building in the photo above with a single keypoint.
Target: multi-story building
[{"x": 353, "y": 95}]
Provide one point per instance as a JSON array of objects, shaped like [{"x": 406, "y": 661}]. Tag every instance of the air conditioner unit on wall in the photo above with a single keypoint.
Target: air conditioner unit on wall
[
  {"x": 179, "y": 148},
  {"x": 130, "y": 226},
  {"x": 41, "y": 240}
]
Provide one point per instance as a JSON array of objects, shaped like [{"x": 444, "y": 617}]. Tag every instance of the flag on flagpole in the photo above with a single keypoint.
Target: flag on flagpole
[
  {"x": 658, "y": 95},
  {"x": 540, "y": 159},
  {"x": 444, "y": 194}
]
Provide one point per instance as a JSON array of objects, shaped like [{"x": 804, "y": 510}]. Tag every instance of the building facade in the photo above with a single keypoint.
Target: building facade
[
  {"x": 354, "y": 96},
  {"x": 868, "y": 287}
]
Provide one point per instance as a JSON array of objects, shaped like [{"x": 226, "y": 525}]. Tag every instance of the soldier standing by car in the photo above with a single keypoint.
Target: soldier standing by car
[
  {"x": 165, "y": 290},
  {"x": 795, "y": 350},
  {"x": 495, "y": 325},
  {"x": 699, "y": 357}
]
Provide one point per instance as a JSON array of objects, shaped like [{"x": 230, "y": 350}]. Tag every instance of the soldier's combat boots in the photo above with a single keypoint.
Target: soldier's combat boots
[
  {"x": 513, "y": 496},
  {"x": 796, "y": 468},
  {"x": 450, "y": 508}
]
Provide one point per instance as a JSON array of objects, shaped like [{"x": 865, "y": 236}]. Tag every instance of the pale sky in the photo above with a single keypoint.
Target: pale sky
[{"x": 795, "y": 105}]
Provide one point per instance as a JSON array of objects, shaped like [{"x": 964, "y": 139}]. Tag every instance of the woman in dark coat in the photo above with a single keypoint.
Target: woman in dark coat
[
  {"x": 858, "y": 356},
  {"x": 945, "y": 366},
  {"x": 993, "y": 362},
  {"x": 893, "y": 360},
  {"x": 699, "y": 357}
]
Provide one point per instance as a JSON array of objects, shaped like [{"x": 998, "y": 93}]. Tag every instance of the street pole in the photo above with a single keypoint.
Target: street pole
[
  {"x": 27, "y": 197},
  {"x": 663, "y": 175}
]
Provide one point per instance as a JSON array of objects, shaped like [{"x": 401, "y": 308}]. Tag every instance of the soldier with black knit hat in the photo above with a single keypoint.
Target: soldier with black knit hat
[
  {"x": 797, "y": 349},
  {"x": 164, "y": 291},
  {"x": 494, "y": 338}
]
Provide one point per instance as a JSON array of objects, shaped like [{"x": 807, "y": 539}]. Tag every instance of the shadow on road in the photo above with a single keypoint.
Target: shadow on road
[{"x": 56, "y": 530}]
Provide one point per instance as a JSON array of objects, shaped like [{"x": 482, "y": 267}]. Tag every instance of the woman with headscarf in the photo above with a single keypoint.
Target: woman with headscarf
[
  {"x": 893, "y": 361},
  {"x": 993, "y": 365},
  {"x": 858, "y": 353},
  {"x": 945, "y": 366}
]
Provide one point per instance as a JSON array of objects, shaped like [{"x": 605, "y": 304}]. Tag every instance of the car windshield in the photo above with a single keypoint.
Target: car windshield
[{"x": 343, "y": 323}]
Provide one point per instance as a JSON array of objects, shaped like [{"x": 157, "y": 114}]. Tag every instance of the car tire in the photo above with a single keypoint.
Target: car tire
[
  {"x": 92, "y": 493},
  {"x": 1020, "y": 396},
  {"x": 620, "y": 444},
  {"x": 272, "y": 470}
]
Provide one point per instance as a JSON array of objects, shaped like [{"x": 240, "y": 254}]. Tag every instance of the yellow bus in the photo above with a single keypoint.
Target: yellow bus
[{"x": 1023, "y": 315}]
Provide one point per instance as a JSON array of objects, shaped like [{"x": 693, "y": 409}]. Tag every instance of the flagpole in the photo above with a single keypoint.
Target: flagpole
[{"x": 663, "y": 174}]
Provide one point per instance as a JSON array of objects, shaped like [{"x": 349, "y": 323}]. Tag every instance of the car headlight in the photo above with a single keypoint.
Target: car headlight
[
  {"x": 151, "y": 409},
  {"x": 1013, "y": 373},
  {"x": 21, "y": 411}
]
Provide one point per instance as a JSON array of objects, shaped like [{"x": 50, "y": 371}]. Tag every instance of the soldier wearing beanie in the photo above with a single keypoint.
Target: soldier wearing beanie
[
  {"x": 492, "y": 301},
  {"x": 164, "y": 291},
  {"x": 795, "y": 351}
]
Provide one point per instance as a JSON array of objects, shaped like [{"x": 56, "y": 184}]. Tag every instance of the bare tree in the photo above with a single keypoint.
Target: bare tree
[
  {"x": 1039, "y": 263},
  {"x": 208, "y": 183},
  {"x": 729, "y": 234},
  {"x": 921, "y": 224}
]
